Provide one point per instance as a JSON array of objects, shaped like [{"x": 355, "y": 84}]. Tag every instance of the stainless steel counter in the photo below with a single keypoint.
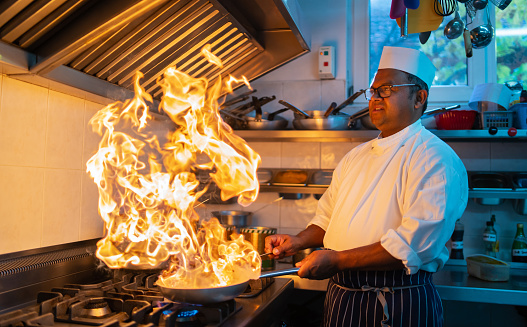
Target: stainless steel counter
[{"x": 454, "y": 283}]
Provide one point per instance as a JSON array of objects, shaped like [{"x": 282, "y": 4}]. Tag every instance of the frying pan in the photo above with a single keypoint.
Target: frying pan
[{"x": 215, "y": 294}]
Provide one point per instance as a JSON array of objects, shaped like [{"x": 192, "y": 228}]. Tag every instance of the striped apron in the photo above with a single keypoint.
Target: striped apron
[{"x": 382, "y": 298}]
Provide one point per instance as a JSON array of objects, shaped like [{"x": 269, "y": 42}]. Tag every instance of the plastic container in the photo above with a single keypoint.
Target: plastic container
[
  {"x": 520, "y": 119},
  {"x": 456, "y": 119},
  {"x": 498, "y": 119},
  {"x": 488, "y": 268}
]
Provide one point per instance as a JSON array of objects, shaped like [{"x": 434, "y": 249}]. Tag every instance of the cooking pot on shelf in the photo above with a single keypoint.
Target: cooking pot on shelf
[
  {"x": 317, "y": 121},
  {"x": 233, "y": 217}
]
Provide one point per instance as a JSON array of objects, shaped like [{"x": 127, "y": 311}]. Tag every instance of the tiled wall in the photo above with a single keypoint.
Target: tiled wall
[{"x": 47, "y": 198}]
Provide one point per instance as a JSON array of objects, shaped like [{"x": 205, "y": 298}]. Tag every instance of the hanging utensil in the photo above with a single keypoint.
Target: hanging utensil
[
  {"x": 397, "y": 9},
  {"x": 424, "y": 36},
  {"x": 454, "y": 28},
  {"x": 404, "y": 24},
  {"x": 332, "y": 106},
  {"x": 467, "y": 42},
  {"x": 411, "y": 4},
  {"x": 257, "y": 108},
  {"x": 501, "y": 4},
  {"x": 480, "y": 4},
  {"x": 422, "y": 19},
  {"x": 445, "y": 7},
  {"x": 294, "y": 109},
  {"x": 482, "y": 35}
]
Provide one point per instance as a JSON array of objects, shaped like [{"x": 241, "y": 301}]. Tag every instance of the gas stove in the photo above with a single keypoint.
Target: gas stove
[{"x": 66, "y": 286}]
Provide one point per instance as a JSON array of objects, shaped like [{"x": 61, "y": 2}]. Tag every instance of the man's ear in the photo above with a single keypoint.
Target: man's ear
[{"x": 420, "y": 99}]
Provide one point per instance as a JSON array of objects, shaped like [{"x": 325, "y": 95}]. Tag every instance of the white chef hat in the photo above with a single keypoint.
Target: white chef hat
[{"x": 408, "y": 60}]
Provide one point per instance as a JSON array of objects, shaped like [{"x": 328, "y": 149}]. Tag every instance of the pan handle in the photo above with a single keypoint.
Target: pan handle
[{"x": 281, "y": 272}]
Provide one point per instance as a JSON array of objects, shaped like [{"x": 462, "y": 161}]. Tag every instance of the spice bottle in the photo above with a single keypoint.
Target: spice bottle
[
  {"x": 490, "y": 239},
  {"x": 497, "y": 228},
  {"x": 519, "y": 246},
  {"x": 457, "y": 241}
]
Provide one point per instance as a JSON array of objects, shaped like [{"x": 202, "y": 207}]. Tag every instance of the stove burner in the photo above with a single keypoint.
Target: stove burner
[
  {"x": 97, "y": 308},
  {"x": 189, "y": 318}
]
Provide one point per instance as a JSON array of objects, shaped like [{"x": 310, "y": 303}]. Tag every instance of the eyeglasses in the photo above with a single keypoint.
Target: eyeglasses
[{"x": 383, "y": 91}]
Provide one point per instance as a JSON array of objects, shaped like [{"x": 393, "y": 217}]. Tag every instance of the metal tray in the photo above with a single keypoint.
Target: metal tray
[{"x": 321, "y": 178}]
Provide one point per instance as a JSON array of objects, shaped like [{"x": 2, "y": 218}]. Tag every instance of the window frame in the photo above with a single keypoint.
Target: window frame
[{"x": 360, "y": 44}]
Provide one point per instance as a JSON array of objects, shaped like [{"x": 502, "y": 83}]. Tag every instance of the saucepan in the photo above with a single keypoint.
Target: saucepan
[{"x": 215, "y": 294}]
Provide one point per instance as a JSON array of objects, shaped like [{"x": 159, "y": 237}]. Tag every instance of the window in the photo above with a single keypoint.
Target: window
[{"x": 505, "y": 58}]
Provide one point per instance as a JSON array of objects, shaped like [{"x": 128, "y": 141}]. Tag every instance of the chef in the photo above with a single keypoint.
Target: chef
[{"x": 389, "y": 211}]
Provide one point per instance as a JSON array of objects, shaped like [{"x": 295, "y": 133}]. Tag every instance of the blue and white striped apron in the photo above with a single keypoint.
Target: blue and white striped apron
[{"x": 382, "y": 298}]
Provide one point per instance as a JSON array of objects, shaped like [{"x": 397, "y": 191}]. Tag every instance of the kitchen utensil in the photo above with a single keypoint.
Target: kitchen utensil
[
  {"x": 276, "y": 124},
  {"x": 257, "y": 109},
  {"x": 294, "y": 109},
  {"x": 422, "y": 19},
  {"x": 317, "y": 121},
  {"x": 215, "y": 294},
  {"x": 233, "y": 217},
  {"x": 397, "y": 9},
  {"x": 455, "y": 120},
  {"x": 424, "y": 36},
  {"x": 411, "y": 4},
  {"x": 489, "y": 181},
  {"x": 272, "y": 115},
  {"x": 266, "y": 254},
  {"x": 332, "y": 106},
  {"x": 480, "y": 4},
  {"x": 348, "y": 101},
  {"x": 482, "y": 35},
  {"x": 445, "y": 7},
  {"x": 404, "y": 24},
  {"x": 467, "y": 42},
  {"x": 454, "y": 28},
  {"x": 488, "y": 268},
  {"x": 501, "y": 4}
]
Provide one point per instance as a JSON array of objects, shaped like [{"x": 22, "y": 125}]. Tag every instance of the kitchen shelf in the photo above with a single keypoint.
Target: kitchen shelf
[
  {"x": 366, "y": 135},
  {"x": 502, "y": 194}
]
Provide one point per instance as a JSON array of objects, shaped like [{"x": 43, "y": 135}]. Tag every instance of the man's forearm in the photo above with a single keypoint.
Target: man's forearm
[
  {"x": 369, "y": 257},
  {"x": 311, "y": 237}
]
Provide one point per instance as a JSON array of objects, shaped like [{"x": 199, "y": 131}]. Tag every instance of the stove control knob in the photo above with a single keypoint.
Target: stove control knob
[
  {"x": 493, "y": 130},
  {"x": 512, "y": 132}
]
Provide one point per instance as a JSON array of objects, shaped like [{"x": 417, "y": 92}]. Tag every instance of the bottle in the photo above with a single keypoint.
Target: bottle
[
  {"x": 519, "y": 246},
  {"x": 498, "y": 233},
  {"x": 457, "y": 241},
  {"x": 489, "y": 238}
]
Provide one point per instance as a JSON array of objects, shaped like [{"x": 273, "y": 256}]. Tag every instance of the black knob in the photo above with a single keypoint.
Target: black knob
[{"x": 493, "y": 130}]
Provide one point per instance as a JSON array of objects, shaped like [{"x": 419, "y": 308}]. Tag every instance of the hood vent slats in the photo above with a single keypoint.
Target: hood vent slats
[{"x": 111, "y": 40}]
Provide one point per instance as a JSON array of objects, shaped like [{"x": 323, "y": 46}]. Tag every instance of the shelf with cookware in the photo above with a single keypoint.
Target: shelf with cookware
[{"x": 488, "y": 188}]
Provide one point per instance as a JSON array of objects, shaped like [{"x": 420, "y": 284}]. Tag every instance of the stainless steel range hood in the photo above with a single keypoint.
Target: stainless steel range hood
[{"x": 98, "y": 45}]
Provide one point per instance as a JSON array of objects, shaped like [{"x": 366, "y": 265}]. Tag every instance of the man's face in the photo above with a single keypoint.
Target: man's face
[{"x": 399, "y": 110}]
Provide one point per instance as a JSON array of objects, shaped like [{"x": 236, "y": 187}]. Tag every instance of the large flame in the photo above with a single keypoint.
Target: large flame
[{"x": 148, "y": 187}]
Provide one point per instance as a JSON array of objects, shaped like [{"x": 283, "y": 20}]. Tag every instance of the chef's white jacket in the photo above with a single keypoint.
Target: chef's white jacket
[{"x": 406, "y": 191}]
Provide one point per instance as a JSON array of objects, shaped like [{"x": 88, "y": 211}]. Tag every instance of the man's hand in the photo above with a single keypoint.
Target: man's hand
[
  {"x": 319, "y": 264},
  {"x": 282, "y": 245}
]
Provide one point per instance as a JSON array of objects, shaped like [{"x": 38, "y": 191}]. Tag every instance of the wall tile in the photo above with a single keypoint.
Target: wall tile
[
  {"x": 91, "y": 223},
  {"x": 21, "y": 191},
  {"x": 475, "y": 156},
  {"x": 305, "y": 95},
  {"x": 508, "y": 157},
  {"x": 297, "y": 213},
  {"x": 300, "y": 155},
  {"x": 289, "y": 231},
  {"x": 266, "y": 213},
  {"x": 22, "y": 123},
  {"x": 64, "y": 132},
  {"x": 269, "y": 152},
  {"x": 91, "y": 139},
  {"x": 331, "y": 153},
  {"x": 62, "y": 202},
  {"x": 333, "y": 91}
]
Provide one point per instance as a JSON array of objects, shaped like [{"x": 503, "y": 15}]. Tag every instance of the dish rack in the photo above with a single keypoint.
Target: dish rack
[{"x": 498, "y": 119}]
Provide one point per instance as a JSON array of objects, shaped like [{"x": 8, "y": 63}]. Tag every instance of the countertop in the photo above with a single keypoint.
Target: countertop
[
  {"x": 260, "y": 310},
  {"x": 453, "y": 283}
]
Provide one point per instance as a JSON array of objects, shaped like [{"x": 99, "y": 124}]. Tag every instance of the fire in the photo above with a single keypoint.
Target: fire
[{"x": 147, "y": 183}]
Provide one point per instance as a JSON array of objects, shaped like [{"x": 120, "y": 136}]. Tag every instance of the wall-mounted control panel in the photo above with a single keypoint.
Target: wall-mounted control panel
[{"x": 326, "y": 62}]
